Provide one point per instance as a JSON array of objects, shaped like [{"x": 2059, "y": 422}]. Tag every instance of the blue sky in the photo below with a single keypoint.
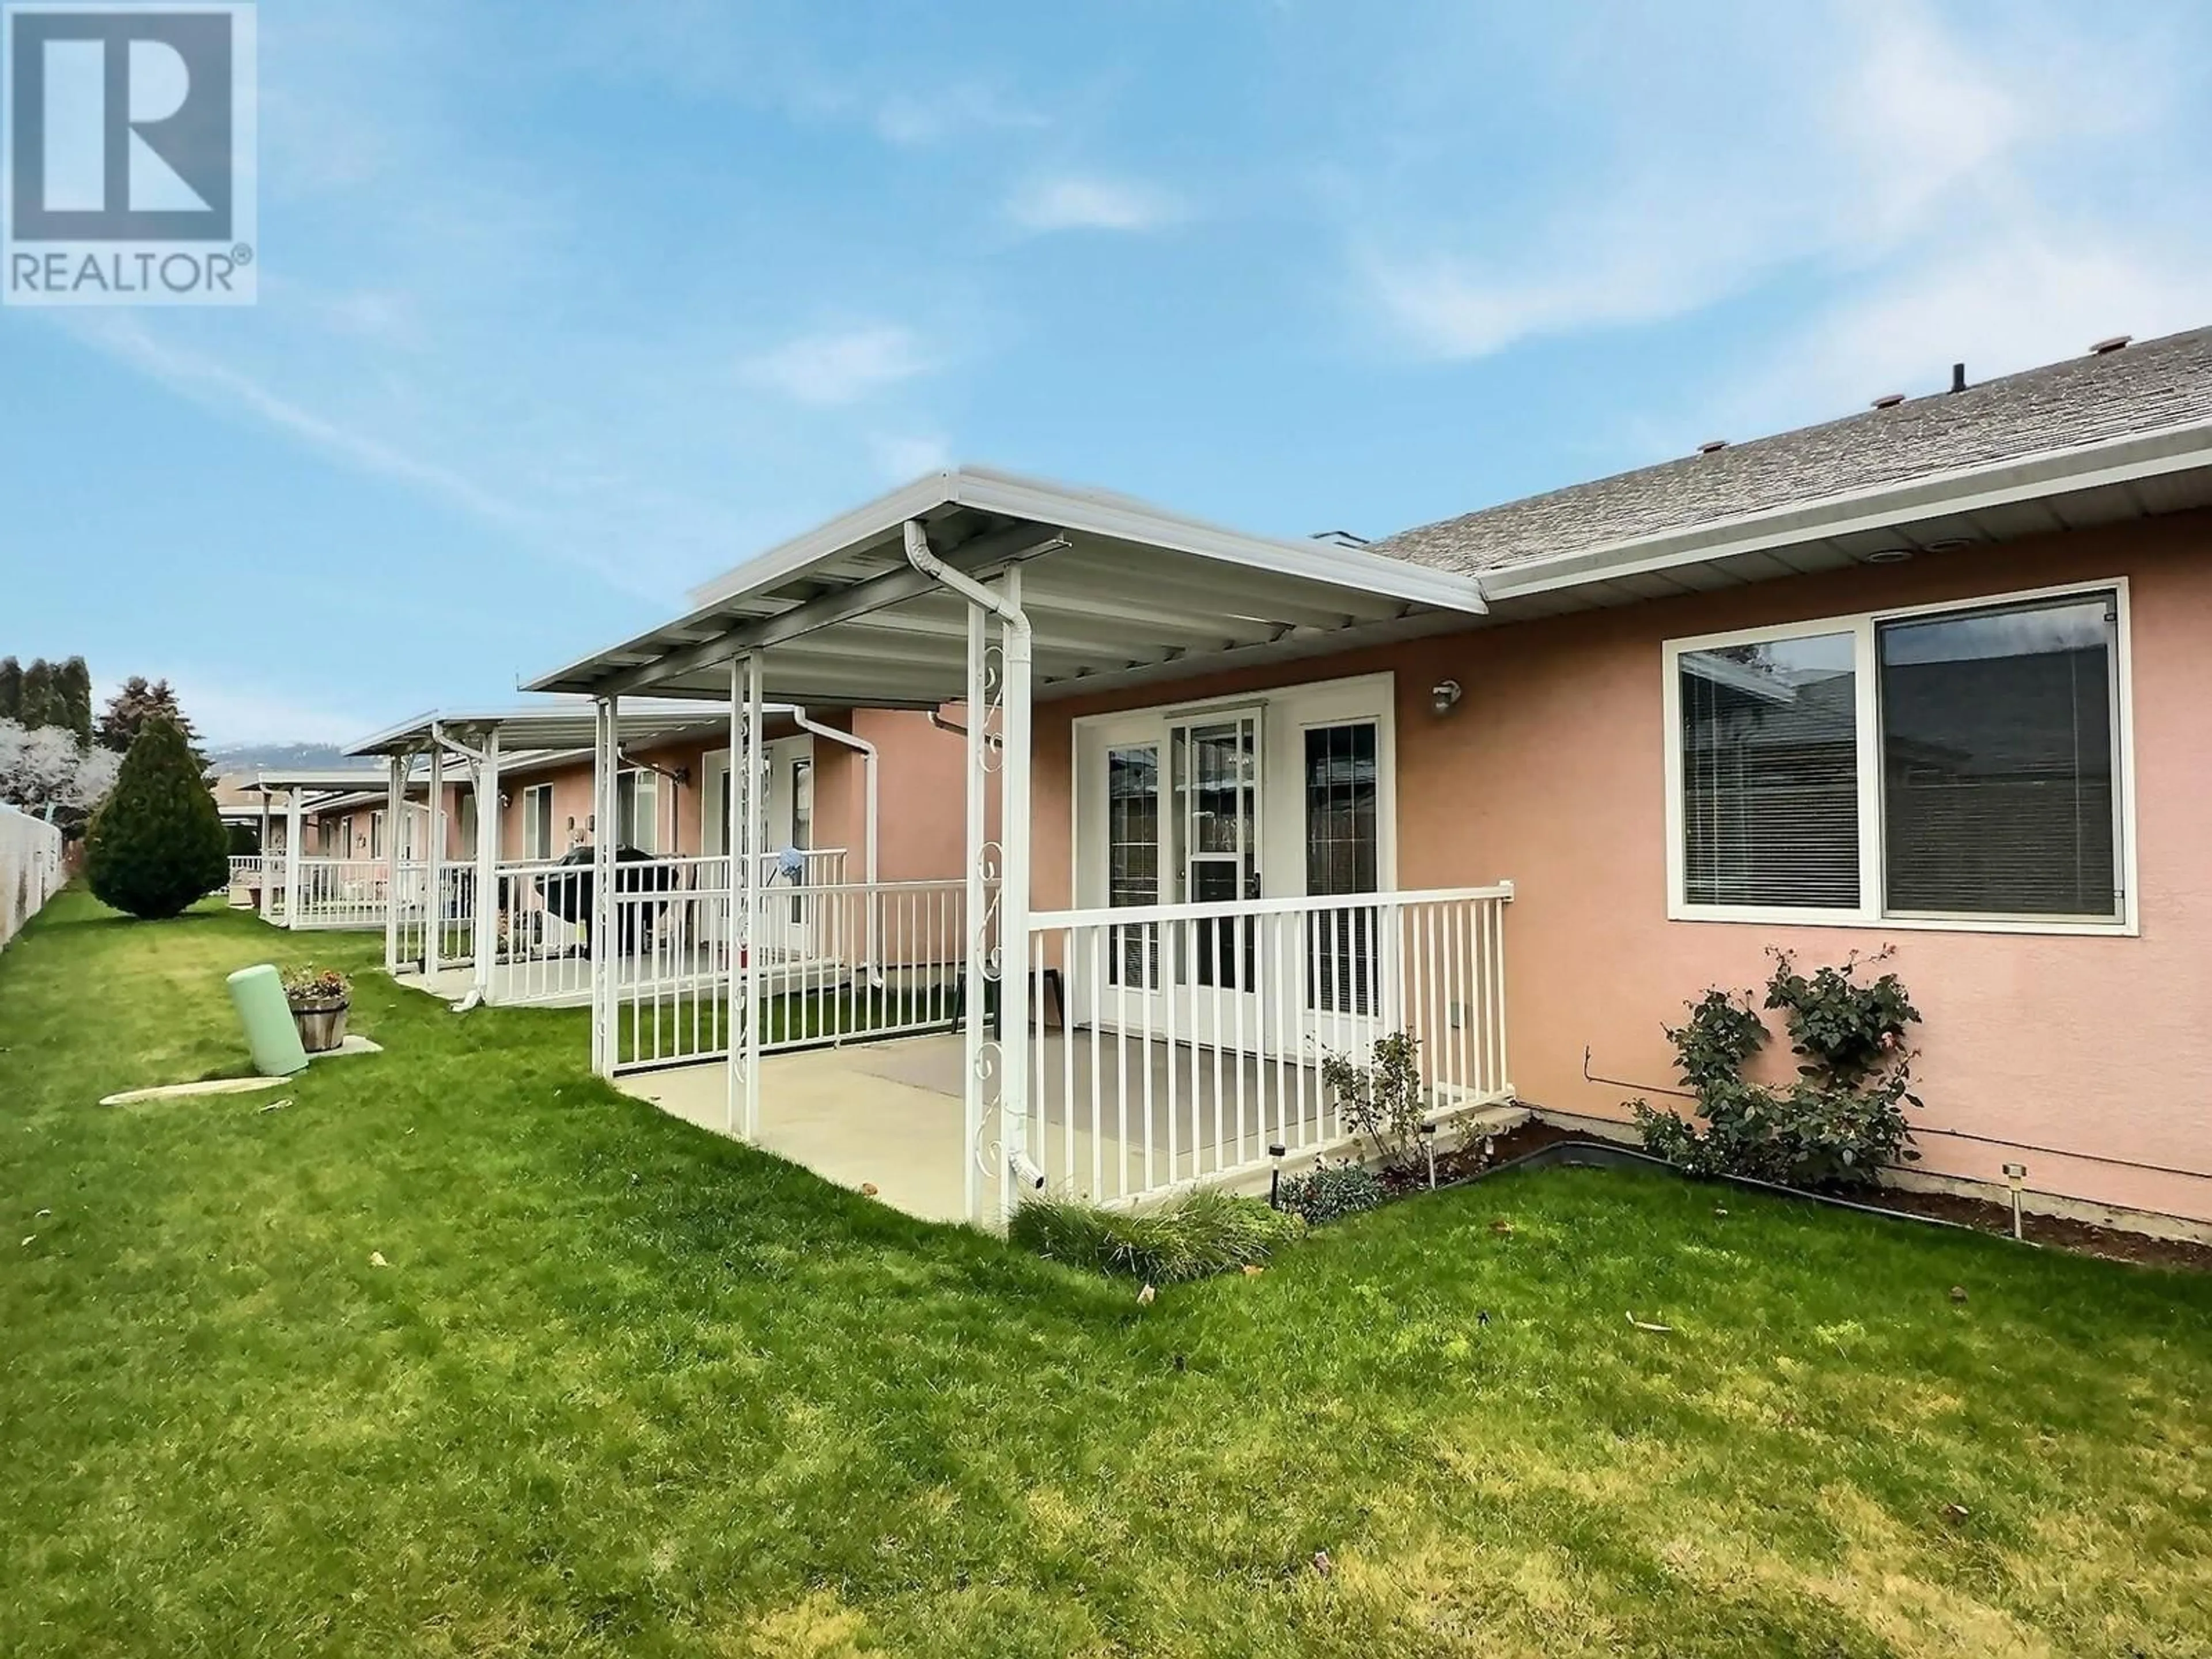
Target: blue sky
[{"x": 567, "y": 308}]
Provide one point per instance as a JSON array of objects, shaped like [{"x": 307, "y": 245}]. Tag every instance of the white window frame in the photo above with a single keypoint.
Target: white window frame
[
  {"x": 645, "y": 804},
  {"x": 536, "y": 855},
  {"x": 1866, "y": 685}
]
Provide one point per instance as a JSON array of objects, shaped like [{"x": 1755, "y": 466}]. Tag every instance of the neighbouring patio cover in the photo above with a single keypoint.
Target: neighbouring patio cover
[{"x": 562, "y": 725}]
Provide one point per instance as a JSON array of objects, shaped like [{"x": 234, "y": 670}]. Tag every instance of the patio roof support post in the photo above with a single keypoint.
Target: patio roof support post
[
  {"x": 395, "y": 803},
  {"x": 750, "y": 794},
  {"x": 487, "y": 875},
  {"x": 605, "y": 954},
  {"x": 292, "y": 857},
  {"x": 263, "y": 888},
  {"x": 999, "y": 941},
  {"x": 1014, "y": 895},
  {"x": 434, "y": 862}
]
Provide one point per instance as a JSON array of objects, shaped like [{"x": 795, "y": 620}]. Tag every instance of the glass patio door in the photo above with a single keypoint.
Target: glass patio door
[{"x": 1214, "y": 817}]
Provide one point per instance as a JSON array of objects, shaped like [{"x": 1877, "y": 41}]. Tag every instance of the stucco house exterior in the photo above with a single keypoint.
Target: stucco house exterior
[{"x": 1934, "y": 678}]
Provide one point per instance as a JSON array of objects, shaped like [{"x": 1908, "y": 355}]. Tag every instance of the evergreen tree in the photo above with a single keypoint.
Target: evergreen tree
[
  {"x": 73, "y": 694},
  {"x": 157, "y": 843},
  {"x": 11, "y": 690},
  {"x": 37, "y": 699},
  {"x": 129, "y": 710}
]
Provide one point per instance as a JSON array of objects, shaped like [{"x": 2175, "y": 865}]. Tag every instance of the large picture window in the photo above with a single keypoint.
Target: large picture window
[{"x": 1957, "y": 765}]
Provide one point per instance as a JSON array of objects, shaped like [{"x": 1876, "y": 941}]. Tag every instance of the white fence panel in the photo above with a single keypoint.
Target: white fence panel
[
  {"x": 340, "y": 893},
  {"x": 1183, "y": 1042},
  {"x": 837, "y": 962},
  {"x": 30, "y": 868}
]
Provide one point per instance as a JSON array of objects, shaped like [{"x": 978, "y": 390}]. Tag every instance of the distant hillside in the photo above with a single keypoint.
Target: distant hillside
[{"x": 244, "y": 756}]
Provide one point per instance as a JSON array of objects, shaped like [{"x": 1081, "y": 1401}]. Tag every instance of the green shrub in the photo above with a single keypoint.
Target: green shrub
[
  {"x": 1330, "y": 1192},
  {"x": 157, "y": 842},
  {"x": 1383, "y": 1102},
  {"x": 1192, "y": 1236},
  {"x": 1838, "y": 1125}
]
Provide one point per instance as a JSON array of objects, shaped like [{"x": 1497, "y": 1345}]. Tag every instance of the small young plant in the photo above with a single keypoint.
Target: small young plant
[{"x": 1384, "y": 1102}]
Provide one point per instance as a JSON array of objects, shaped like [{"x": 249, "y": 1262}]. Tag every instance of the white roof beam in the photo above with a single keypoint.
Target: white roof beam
[
  {"x": 983, "y": 554},
  {"x": 1067, "y": 587}
]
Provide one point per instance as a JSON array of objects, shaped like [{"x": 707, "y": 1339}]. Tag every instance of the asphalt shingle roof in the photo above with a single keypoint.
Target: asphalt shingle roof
[{"x": 2140, "y": 388}]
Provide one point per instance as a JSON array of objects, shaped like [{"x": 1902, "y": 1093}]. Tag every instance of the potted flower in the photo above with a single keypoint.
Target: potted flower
[{"x": 320, "y": 998}]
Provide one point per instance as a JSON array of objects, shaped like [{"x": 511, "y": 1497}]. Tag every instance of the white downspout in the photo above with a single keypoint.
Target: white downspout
[
  {"x": 1014, "y": 834},
  {"x": 870, "y": 956},
  {"x": 867, "y": 751}
]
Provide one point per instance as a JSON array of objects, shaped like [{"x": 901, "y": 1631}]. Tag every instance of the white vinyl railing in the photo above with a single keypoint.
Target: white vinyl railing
[
  {"x": 834, "y": 963},
  {"x": 249, "y": 875},
  {"x": 338, "y": 893},
  {"x": 455, "y": 916},
  {"x": 544, "y": 956},
  {"x": 30, "y": 868},
  {"x": 1180, "y": 1043},
  {"x": 545, "y": 911}
]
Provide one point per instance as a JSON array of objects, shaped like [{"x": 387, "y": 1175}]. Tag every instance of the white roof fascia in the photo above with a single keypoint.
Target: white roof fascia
[
  {"x": 1879, "y": 507},
  {"x": 1097, "y": 513},
  {"x": 519, "y": 721}
]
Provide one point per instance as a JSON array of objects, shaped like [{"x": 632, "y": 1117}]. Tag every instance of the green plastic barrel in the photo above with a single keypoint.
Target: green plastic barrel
[{"x": 266, "y": 1013}]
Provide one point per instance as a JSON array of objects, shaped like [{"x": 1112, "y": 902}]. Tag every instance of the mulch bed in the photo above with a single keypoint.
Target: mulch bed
[
  {"x": 1465, "y": 1163},
  {"x": 2052, "y": 1232},
  {"x": 2083, "y": 1237}
]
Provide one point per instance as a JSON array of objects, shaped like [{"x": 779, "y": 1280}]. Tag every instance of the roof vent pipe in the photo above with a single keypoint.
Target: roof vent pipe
[{"x": 1958, "y": 377}]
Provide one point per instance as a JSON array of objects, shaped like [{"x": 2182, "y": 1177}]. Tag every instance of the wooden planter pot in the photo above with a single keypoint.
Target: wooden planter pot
[{"x": 322, "y": 1024}]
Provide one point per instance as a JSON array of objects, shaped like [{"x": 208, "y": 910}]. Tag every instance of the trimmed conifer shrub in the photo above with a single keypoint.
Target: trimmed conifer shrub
[{"x": 157, "y": 842}]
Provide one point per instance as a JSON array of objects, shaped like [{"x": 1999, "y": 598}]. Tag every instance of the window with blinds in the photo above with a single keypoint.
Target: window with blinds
[
  {"x": 1999, "y": 740},
  {"x": 1990, "y": 738},
  {"x": 1770, "y": 773}
]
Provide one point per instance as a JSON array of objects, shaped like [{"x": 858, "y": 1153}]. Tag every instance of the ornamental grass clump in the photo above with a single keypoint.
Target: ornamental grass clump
[{"x": 1194, "y": 1235}]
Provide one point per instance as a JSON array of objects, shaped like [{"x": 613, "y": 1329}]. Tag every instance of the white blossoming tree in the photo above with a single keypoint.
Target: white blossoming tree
[{"x": 42, "y": 772}]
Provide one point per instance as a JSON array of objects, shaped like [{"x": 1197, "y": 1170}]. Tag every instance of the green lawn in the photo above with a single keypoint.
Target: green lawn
[{"x": 624, "y": 1387}]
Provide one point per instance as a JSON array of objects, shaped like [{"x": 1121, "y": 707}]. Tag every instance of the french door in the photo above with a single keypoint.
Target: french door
[
  {"x": 1216, "y": 794},
  {"x": 1207, "y": 809}
]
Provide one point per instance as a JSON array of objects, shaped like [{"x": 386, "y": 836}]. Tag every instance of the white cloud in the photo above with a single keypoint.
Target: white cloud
[
  {"x": 841, "y": 367},
  {"x": 2034, "y": 295},
  {"x": 214, "y": 381},
  {"x": 1076, "y": 202},
  {"x": 909, "y": 119},
  {"x": 902, "y": 456},
  {"x": 1842, "y": 155}
]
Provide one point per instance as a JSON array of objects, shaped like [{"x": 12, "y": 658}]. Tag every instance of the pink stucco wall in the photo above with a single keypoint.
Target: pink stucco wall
[
  {"x": 921, "y": 823},
  {"x": 1551, "y": 772}
]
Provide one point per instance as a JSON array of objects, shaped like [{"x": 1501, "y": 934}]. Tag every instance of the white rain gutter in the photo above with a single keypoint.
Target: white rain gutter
[{"x": 799, "y": 718}]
